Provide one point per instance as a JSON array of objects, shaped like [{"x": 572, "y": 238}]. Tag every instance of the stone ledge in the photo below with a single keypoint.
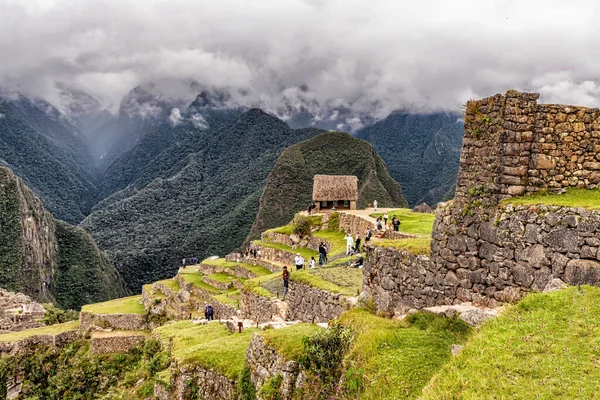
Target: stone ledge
[{"x": 115, "y": 343}]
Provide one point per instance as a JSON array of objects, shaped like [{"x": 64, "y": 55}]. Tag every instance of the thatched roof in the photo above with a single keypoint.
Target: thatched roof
[{"x": 335, "y": 187}]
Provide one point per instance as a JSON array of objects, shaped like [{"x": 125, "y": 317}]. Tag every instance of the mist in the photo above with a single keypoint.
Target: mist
[{"x": 374, "y": 56}]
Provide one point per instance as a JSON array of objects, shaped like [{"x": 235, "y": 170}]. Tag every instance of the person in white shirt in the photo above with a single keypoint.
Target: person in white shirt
[
  {"x": 375, "y": 204},
  {"x": 312, "y": 262},
  {"x": 299, "y": 261},
  {"x": 349, "y": 243}
]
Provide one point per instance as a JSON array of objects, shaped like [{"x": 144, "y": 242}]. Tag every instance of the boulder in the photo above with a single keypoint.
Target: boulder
[
  {"x": 580, "y": 271},
  {"x": 476, "y": 317},
  {"x": 554, "y": 285}
]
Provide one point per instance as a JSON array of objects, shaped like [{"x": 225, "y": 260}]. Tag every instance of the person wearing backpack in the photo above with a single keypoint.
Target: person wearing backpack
[{"x": 210, "y": 313}]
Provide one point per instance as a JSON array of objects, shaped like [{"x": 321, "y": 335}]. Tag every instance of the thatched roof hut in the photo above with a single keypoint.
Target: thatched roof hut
[{"x": 334, "y": 188}]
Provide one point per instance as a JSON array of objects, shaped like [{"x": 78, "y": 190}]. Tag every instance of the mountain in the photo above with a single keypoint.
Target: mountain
[
  {"x": 289, "y": 185},
  {"x": 47, "y": 259},
  {"x": 421, "y": 152},
  {"x": 50, "y": 154},
  {"x": 188, "y": 190}
]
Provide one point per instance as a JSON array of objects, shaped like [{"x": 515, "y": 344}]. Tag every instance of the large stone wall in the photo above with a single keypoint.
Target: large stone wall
[
  {"x": 210, "y": 384},
  {"x": 115, "y": 343},
  {"x": 310, "y": 242},
  {"x": 309, "y": 304},
  {"x": 255, "y": 307},
  {"x": 353, "y": 224},
  {"x": 129, "y": 322}
]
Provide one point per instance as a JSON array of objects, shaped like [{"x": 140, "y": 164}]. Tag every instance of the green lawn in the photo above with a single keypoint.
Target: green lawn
[
  {"x": 223, "y": 277},
  {"x": 336, "y": 238},
  {"x": 396, "y": 359},
  {"x": 286, "y": 229},
  {"x": 126, "y": 305},
  {"x": 46, "y": 330},
  {"x": 221, "y": 262},
  {"x": 336, "y": 280},
  {"x": 420, "y": 224},
  {"x": 416, "y": 246},
  {"x": 230, "y": 297},
  {"x": 545, "y": 347},
  {"x": 288, "y": 341},
  {"x": 209, "y": 346},
  {"x": 172, "y": 284},
  {"x": 195, "y": 278},
  {"x": 257, "y": 285},
  {"x": 574, "y": 197},
  {"x": 304, "y": 252}
]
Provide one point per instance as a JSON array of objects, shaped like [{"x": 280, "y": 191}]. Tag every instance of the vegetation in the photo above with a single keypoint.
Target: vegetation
[
  {"x": 421, "y": 152},
  {"x": 420, "y": 224},
  {"x": 195, "y": 278},
  {"x": 573, "y": 197},
  {"x": 302, "y": 226},
  {"x": 257, "y": 285},
  {"x": 208, "y": 182},
  {"x": 341, "y": 280},
  {"x": 172, "y": 284},
  {"x": 336, "y": 238},
  {"x": 289, "y": 341},
  {"x": 289, "y": 185},
  {"x": 544, "y": 347},
  {"x": 55, "y": 315},
  {"x": 221, "y": 262},
  {"x": 127, "y": 305},
  {"x": 417, "y": 246},
  {"x": 390, "y": 359},
  {"x": 304, "y": 252},
  {"x": 46, "y": 330}
]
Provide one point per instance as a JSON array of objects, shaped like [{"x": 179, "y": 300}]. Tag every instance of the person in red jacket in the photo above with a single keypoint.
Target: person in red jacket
[{"x": 286, "y": 282}]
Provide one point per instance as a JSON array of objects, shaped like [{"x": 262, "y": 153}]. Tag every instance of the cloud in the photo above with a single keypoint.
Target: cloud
[
  {"x": 373, "y": 56},
  {"x": 175, "y": 117}
]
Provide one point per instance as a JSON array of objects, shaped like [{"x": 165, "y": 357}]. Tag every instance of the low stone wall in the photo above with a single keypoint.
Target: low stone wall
[
  {"x": 30, "y": 344},
  {"x": 127, "y": 322},
  {"x": 353, "y": 224},
  {"x": 218, "y": 284},
  {"x": 238, "y": 271},
  {"x": 257, "y": 308},
  {"x": 310, "y": 242},
  {"x": 280, "y": 256},
  {"x": 264, "y": 362},
  {"x": 210, "y": 384},
  {"x": 221, "y": 310},
  {"x": 310, "y": 304},
  {"x": 393, "y": 235},
  {"x": 109, "y": 344}
]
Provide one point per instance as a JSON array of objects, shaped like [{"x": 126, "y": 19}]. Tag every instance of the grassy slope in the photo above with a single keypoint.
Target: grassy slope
[
  {"x": 126, "y": 305},
  {"x": 395, "y": 359},
  {"x": 195, "y": 279},
  {"x": 288, "y": 341},
  {"x": 342, "y": 280},
  {"x": 304, "y": 252},
  {"x": 172, "y": 284},
  {"x": 221, "y": 262},
  {"x": 46, "y": 330},
  {"x": 416, "y": 246},
  {"x": 572, "y": 198},
  {"x": 256, "y": 285},
  {"x": 547, "y": 347},
  {"x": 419, "y": 224}
]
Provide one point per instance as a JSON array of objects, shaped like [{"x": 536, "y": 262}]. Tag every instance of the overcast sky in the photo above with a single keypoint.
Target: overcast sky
[{"x": 425, "y": 55}]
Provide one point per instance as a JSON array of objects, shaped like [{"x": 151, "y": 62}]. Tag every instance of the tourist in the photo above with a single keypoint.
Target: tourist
[
  {"x": 183, "y": 262},
  {"x": 385, "y": 218},
  {"x": 368, "y": 236},
  {"x": 322, "y": 254},
  {"x": 286, "y": 282},
  {"x": 359, "y": 262},
  {"x": 258, "y": 254},
  {"x": 375, "y": 204},
  {"x": 299, "y": 261},
  {"x": 357, "y": 244},
  {"x": 379, "y": 226},
  {"x": 349, "y": 243},
  {"x": 312, "y": 262},
  {"x": 396, "y": 223},
  {"x": 210, "y": 313}
]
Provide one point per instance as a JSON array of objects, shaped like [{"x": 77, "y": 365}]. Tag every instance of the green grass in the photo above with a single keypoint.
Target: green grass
[
  {"x": 285, "y": 230},
  {"x": 46, "y": 330},
  {"x": 416, "y": 246},
  {"x": 221, "y": 262},
  {"x": 288, "y": 341},
  {"x": 546, "y": 347},
  {"x": 172, "y": 284},
  {"x": 209, "y": 346},
  {"x": 126, "y": 305},
  {"x": 195, "y": 278},
  {"x": 340, "y": 262},
  {"x": 222, "y": 277},
  {"x": 336, "y": 238},
  {"x": 574, "y": 197},
  {"x": 255, "y": 285},
  {"x": 304, "y": 252},
  {"x": 419, "y": 224},
  {"x": 230, "y": 297},
  {"x": 329, "y": 279},
  {"x": 396, "y": 359}
]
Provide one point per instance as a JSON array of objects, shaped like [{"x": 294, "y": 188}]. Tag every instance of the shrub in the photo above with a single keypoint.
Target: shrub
[
  {"x": 55, "y": 315},
  {"x": 334, "y": 222},
  {"x": 270, "y": 390},
  {"x": 245, "y": 387},
  {"x": 302, "y": 226}
]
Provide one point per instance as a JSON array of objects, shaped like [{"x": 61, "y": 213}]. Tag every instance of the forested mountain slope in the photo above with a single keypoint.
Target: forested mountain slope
[
  {"x": 193, "y": 191},
  {"x": 421, "y": 152},
  {"x": 289, "y": 185}
]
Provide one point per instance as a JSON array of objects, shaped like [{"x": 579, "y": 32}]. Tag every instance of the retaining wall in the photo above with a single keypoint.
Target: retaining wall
[
  {"x": 309, "y": 304},
  {"x": 210, "y": 384},
  {"x": 109, "y": 344},
  {"x": 128, "y": 322},
  {"x": 258, "y": 308}
]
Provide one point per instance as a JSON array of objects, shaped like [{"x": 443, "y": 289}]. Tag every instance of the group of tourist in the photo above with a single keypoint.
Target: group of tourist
[
  {"x": 252, "y": 252},
  {"x": 382, "y": 226},
  {"x": 193, "y": 261},
  {"x": 209, "y": 313}
]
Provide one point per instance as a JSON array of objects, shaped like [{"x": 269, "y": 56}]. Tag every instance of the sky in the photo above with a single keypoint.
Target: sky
[{"x": 375, "y": 55}]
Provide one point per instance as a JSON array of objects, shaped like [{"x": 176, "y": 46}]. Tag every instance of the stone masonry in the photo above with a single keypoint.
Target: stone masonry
[{"x": 310, "y": 304}]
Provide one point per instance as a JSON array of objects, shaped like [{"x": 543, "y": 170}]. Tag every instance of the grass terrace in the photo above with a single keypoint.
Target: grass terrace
[
  {"x": 288, "y": 341},
  {"x": 343, "y": 280},
  {"x": 210, "y": 346},
  {"x": 417, "y": 246},
  {"x": 573, "y": 197},
  {"x": 396, "y": 359},
  {"x": 172, "y": 284},
  {"x": 336, "y": 238},
  {"x": 195, "y": 278},
  {"x": 221, "y": 262},
  {"x": 545, "y": 347},
  {"x": 420, "y": 224},
  {"x": 126, "y": 305},
  {"x": 45, "y": 330},
  {"x": 120, "y": 333},
  {"x": 265, "y": 286},
  {"x": 304, "y": 252},
  {"x": 223, "y": 277},
  {"x": 231, "y": 297}
]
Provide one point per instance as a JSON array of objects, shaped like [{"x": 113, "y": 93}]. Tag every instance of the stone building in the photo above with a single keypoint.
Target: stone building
[{"x": 339, "y": 191}]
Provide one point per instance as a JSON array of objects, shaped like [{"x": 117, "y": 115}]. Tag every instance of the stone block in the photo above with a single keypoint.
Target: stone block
[{"x": 580, "y": 271}]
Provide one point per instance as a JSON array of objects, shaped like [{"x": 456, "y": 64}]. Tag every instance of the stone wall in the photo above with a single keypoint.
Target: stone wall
[
  {"x": 30, "y": 344},
  {"x": 264, "y": 362},
  {"x": 310, "y": 242},
  {"x": 238, "y": 271},
  {"x": 353, "y": 224},
  {"x": 221, "y": 310},
  {"x": 117, "y": 343},
  {"x": 310, "y": 304},
  {"x": 255, "y": 307},
  {"x": 210, "y": 384},
  {"x": 128, "y": 322},
  {"x": 18, "y": 312},
  {"x": 280, "y": 256}
]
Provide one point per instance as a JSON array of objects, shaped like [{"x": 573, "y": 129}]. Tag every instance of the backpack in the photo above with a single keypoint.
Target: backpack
[{"x": 209, "y": 309}]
